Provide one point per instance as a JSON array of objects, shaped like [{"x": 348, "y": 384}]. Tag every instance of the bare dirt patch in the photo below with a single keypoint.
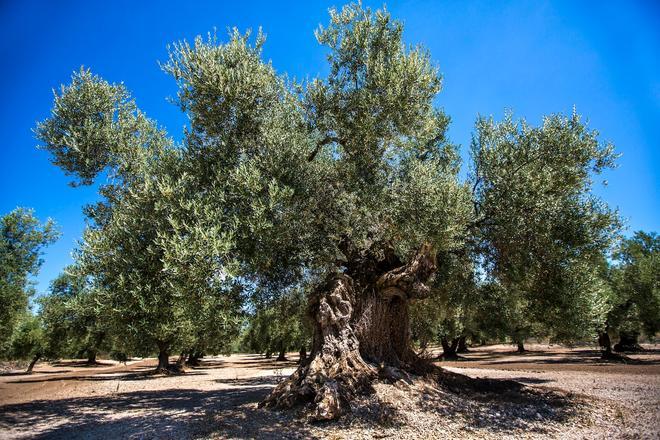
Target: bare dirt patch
[{"x": 567, "y": 393}]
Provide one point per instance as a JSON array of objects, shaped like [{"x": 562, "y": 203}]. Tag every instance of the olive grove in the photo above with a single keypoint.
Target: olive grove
[{"x": 345, "y": 187}]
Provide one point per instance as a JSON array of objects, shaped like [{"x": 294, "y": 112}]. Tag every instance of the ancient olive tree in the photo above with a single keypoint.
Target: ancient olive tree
[
  {"x": 22, "y": 239},
  {"x": 346, "y": 183}
]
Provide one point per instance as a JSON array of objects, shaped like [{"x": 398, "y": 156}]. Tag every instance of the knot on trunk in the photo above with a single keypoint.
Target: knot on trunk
[
  {"x": 334, "y": 308},
  {"x": 409, "y": 281}
]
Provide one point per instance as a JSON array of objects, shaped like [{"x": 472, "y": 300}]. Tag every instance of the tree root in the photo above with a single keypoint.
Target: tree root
[
  {"x": 628, "y": 348},
  {"x": 171, "y": 370},
  {"x": 327, "y": 389},
  {"x": 614, "y": 357},
  {"x": 450, "y": 357}
]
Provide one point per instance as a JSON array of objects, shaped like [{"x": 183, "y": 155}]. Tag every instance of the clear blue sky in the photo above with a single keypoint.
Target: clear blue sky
[{"x": 533, "y": 57}]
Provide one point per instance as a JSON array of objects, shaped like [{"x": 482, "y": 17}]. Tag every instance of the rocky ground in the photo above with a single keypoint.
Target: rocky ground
[{"x": 567, "y": 393}]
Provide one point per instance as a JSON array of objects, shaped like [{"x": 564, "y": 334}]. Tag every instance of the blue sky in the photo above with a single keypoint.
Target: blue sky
[{"x": 533, "y": 57}]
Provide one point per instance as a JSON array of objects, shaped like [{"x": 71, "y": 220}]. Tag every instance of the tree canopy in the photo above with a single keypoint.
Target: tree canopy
[
  {"x": 22, "y": 239},
  {"x": 345, "y": 187}
]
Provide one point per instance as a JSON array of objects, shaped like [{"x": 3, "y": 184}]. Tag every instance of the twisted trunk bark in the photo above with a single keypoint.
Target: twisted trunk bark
[
  {"x": 462, "y": 345},
  {"x": 33, "y": 363},
  {"x": 449, "y": 349},
  {"x": 91, "y": 357},
  {"x": 361, "y": 332},
  {"x": 163, "y": 358}
]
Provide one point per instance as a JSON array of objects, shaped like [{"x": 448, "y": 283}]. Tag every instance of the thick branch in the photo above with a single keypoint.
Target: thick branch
[
  {"x": 409, "y": 281},
  {"x": 323, "y": 142}
]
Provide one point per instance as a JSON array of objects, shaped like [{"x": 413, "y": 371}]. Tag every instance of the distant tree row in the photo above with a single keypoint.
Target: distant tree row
[{"x": 74, "y": 319}]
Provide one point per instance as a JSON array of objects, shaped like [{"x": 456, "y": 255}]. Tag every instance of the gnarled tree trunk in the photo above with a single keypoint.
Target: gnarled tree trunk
[
  {"x": 361, "y": 331},
  {"x": 91, "y": 356},
  {"x": 302, "y": 358},
  {"x": 281, "y": 356},
  {"x": 628, "y": 343},
  {"x": 194, "y": 358},
  {"x": 163, "y": 358},
  {"x": 605, "y": 343},
  {"x": 462, "y": 345},
  {"x": 521, "y": 346},
  {"x": 449, "y": 349},
  {"x": 33, "y": 362}
]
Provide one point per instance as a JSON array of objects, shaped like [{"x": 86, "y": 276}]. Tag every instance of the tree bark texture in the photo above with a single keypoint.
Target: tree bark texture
[
  {"x": 449, "y": 349},
  {"x": 33, "y": 362},
  {"x": 163, "y": 358},
  {"x": 462, "y": 345},
  {"x": 361, "y": 332},
  {"x": 628, "y": 343}
]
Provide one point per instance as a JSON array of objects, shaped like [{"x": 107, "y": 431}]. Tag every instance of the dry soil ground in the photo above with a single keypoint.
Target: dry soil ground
[{"x": 568, "y": 393}]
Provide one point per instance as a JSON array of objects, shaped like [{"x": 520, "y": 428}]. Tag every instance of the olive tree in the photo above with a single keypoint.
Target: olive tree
[
  {"x": 143, "y": 260},
  {"x": 346, "y": 183},
  {"x": 635, "y": 286},
  {"x": 22, "y": 239}
]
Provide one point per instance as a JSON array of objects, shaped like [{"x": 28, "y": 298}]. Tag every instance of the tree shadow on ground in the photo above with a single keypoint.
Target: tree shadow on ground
[
  {"x": 180, "y": 413},
  {"x": 82, "y": 364},
  {"x": 141, "y": 374},
  {"x": 507, "y": 405},
  {"x": 576, "y": 357},
  {"x": 231, "y": 411},
  {"x": 260, "y": 363},
  {"x": 24, "y": 373}
]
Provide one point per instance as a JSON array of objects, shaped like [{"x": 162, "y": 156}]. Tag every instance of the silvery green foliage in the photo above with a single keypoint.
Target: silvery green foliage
[
  {"x": 22, "y": 239},
  {"x": 635, "y": 285},
  {"x": 95, "y": 125},
  {"x": 139, "y": 250},
  {"x": 308, "y": 175},
  {"x": 279, "y": 183},
  {"x": 75, "y": 321},
  {"x": 540, "y": 229}
]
